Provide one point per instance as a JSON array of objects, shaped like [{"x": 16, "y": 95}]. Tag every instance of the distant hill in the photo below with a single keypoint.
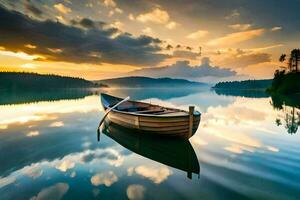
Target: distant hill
[
  {"x": 139, "y": 81},
  {"x": 34, "y": 81},
  {"x": 245, "y": 85}
]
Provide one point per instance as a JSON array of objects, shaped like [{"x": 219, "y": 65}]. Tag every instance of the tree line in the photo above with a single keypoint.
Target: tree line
[
  {"x": 30, "y": 81},
  {"x": 244, "y": 85}
]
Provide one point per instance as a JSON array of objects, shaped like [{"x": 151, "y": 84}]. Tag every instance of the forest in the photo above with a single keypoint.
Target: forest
[
  {"x": 34, "y": 81},
  {"x": 244, "y": 85}
]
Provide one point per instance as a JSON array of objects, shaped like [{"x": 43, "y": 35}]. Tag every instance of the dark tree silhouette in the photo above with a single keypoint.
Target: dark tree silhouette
[
  {"x": 292, "y": 121},
  {"x": 282, "y": 58},
  {"x": 295, "y": 58},
  {"x": 290, "y": 116},
  {"x": 278, "y": 122},
  {"x": 244, "y": 85}
]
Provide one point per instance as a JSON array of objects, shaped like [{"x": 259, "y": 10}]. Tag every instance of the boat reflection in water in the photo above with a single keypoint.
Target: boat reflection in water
[{"x": 173, "y": 152}]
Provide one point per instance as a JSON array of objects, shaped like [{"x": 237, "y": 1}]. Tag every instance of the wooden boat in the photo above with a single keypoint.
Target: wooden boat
[
  {"x": 174, "y": 152},
  {"x": 149, "y": 118}
]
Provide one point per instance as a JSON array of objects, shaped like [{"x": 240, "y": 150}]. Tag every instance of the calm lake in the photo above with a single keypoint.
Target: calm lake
[{"x": 246, "y": 147}]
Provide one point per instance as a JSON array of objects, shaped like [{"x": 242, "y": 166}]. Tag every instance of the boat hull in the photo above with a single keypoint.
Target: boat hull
[
  {"x": 178, "y": 126},
  {"x": 171, "y": 126}
]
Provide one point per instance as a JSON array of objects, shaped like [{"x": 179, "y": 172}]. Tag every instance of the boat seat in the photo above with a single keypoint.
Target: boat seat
[
  {"x": 167, "y": 112},
  {"x": 149, "y": 111},
  {"x": 131, "y": 109}
]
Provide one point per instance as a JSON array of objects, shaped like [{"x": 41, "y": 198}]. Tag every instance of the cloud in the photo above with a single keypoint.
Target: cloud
[
  {"x": 183, "y": 69},
  {"x": 265, "y": 48},
  {"x": 240, "y": 27},
  {"x": 131, "y": 17},
  {"x": 237, "y": 149},
  {"x": 78, "y": 45},
  {"x": 157, "y": 16},
  {"x": 185, "y": 54},
  {"x": 30, "y": 46},
  {"x": 130, "y": 171},
  {"x": 197, "y": 35},
  {"x": 7, "y": 181},
  {"x": 110, "y": 3},
  {"x": 118, "y": 10},
  {"x": 234, "y": 13},
  {"x": 88, "y": 23},
  {"x": 89, "y": 5},
  {"x": 276, "y": 28},
  {"x": 237, "y": 37},
  {"x": 241, "y": 58},
  {"x": 20, "y": 55},
  {"x": 172, "y": 25},
  {"x": 33, "y": 133},
  {"x": 157, "y": 175},
  {"x": 273, "y": 149},
  {"x": 55, "y": 192},
  {"x": 117, "y": 24},
  {"x": 55, "y": 50},
  {"x": 62, "y": 8},
  {"x": 28, "y": 66},
  {"x": 114, "y": 158},
  {"x": 110, "y": 156},
  {"x": 65, "y": 165},
  {"x": 106, "y": 178},
  {"x": 147, "y": 31},
  {"x": 33, "y": 9},
  {"x": 135, "y": 192},
  {"x": 33, "y": 171},
  {"x": 57, "y": 124}
]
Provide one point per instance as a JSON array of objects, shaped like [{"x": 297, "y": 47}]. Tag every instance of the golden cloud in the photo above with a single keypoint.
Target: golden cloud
[
  {"x": 65, "y": 165},
  {"x": 240, "y": 27},
  {"x": 106, "y": 178},
  {"x": 33, "y": 133},
  {"x": 171, "y": 25},
  {"x": 110, "y": 3},
  {"x": 30, "y": 46},
  {"x": 198, "y": 34},
  {"x": 155, "y": 174},
  {"x": 237, "y": 37},
  {"x": 62, "y": 8},
  {"x": 57, "y": 124},
  {"x": 276, "y": 28},
  {"x": 157, "y": 16}
]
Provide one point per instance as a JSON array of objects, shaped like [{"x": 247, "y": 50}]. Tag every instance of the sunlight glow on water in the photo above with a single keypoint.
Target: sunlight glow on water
[{"x": 48, "y": 150}]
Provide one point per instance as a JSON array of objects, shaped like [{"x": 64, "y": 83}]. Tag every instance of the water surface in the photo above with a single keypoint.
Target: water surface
[{"x": 247, "y": 147}]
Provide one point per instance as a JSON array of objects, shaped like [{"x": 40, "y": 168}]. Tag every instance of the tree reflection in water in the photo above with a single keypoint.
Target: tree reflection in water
[{"x": 290, "y": 107}]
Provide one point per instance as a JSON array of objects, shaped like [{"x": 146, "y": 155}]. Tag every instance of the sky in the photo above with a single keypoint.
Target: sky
[{"x": 201, "y": 40}]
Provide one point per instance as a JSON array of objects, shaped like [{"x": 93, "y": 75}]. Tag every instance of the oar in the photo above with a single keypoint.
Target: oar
[{"x": 107, "y": 111}]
